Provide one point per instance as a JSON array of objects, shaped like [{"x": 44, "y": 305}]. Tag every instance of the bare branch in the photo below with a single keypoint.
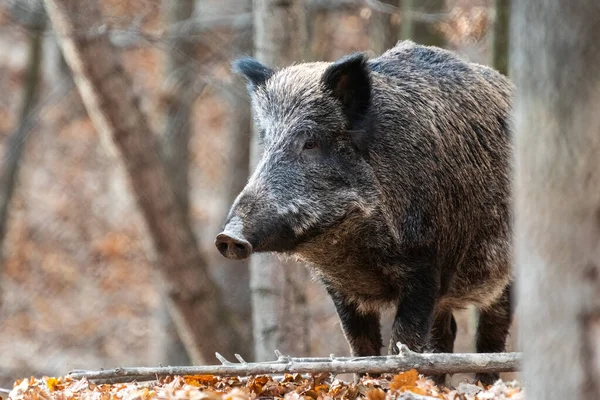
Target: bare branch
[
  {"x": 195, "y": 25},
  {"x": 382, "y": 7},
  {"x": 426, "y": 363},
  {"x": 188, "y": 29},
  {"x": 334, "y": 5}
]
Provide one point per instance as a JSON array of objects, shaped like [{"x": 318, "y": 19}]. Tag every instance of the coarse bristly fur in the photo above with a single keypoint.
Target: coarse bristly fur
[{"x": 390, "y": 178}]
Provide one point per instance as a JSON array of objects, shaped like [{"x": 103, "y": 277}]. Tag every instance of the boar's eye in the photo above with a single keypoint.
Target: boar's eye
[{"x": 310, "y": 144}]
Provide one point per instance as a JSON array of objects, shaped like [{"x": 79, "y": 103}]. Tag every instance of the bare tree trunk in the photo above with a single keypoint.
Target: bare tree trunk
[
  {"x": 407, "y": 30},
  {"x": 319, "y": 30},
  {"x": 235, "y": 275},
  {"x": 196, "y": 304},
  {"x": 384, "y": 29},
  {"x": 16, "y": 141},
  {"x": 555, "y": 68},
  {"x": 55, "y": 67},
  {"x": 178, "y": 99},
  {"x": 280, "y": 313},
  {"x": 501, "y": 33}
]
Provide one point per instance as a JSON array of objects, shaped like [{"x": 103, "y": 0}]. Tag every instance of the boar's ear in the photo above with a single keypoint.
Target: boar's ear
[
  {"x": 256, "y": 73},
  {"x": 350, "y": 82}
]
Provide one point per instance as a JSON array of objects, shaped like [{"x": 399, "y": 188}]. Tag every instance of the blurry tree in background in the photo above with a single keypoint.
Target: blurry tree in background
[
  {"x": 195, "y": 302},
  {"x": 384, "y": 28},
  {"x": 501, "y": 36},
  {"x": 279, "y": 308},
  {"x": 397, "y": 20},
  {"x": 557, "y": 201},
  {"x": 319, "y": 29},
  {"x": 419, "y": 22},
  {"x": 234, "y": 276},
  {"x": 32, "y": 13},
  {"x": 178, "y": 99}
]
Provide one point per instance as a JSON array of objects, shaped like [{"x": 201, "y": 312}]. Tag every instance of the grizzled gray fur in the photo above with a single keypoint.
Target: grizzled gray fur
[{"x": 390, "y": 178}]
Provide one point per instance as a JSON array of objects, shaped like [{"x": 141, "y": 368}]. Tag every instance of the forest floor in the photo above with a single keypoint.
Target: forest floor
[{"x": 406, "y": 385}]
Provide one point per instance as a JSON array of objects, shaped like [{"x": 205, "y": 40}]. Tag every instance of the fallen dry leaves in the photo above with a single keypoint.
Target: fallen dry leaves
[{"x": 407, "y": 385}]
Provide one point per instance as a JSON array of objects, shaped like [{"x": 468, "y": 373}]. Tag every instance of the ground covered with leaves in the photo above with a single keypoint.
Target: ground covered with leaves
[{"x": 406, "y": 385}]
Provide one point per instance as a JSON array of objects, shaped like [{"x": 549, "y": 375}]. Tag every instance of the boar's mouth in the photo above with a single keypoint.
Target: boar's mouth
[{"x": 233, "y": 246}]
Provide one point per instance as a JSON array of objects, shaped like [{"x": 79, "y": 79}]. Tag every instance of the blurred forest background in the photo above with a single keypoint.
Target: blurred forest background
[{"x": 79, "y": 284}]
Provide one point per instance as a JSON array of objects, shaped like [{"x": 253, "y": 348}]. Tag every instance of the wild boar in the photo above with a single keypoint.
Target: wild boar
[{"x": 390, "y": 178}]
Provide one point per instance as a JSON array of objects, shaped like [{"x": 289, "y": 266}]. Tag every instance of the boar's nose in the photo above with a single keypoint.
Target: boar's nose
[{"x": 233, "y": 247}]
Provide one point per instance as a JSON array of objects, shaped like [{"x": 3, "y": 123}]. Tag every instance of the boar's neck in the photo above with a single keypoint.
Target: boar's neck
[{"x": 361, "y": 257}]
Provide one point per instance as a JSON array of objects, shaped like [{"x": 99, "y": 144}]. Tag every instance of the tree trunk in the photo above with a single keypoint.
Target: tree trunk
[
  {"x": 407, "y": 30},
  {"x": 178, "y": 100},
  {"x": 55, "y": 67},
  {"x": 384, "y": 29},
  {"x": 15, "y": 143},
  {"x": 319, "y": 31},
  {"x": 235, "y": 274},
  {"x": 557, "y": 219},
  {"x": 501, "y": 33},
  {"x": 279, "y": 307},
  {"x": 105, "y": 88}
]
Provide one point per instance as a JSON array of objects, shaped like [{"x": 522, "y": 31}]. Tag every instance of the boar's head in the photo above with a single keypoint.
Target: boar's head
[{"x": 313, "y": 121}]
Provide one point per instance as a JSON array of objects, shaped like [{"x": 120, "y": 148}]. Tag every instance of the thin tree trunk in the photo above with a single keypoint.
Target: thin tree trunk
[
  {"x": 55, "y": 67},
  {"x": 407, "y": 30},
  {"x": 105, "y": 88},
  {"x": 384, "y": 29},
  {"x": 235, "y": 275},
  {"x": 16, "y": 141},
  {"x": 178, "y": 102},
  {"x": 501, "y": 33},
  {"x": 319, "y": 30},
  {"x": 557, "y": 210},
  {"x": 280, "y": 312}
]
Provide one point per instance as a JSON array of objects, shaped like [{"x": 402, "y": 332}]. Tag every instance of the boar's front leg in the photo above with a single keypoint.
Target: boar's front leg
[
  {"x": 414, "y": 315},
  {"x": 441, "y": 339},
  {"x": 362, "y": 330}
]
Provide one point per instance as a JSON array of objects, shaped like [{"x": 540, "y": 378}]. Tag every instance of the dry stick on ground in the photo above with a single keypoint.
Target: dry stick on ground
[
  {"x": 106, "y": 90},
  {"x": 425, "y": 363}
]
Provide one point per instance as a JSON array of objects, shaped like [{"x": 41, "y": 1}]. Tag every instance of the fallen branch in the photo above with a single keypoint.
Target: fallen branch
[{"x": 425, "y": 363}]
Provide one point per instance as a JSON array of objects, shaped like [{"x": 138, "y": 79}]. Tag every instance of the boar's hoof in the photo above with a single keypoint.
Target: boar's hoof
[{"x": 233, "y": 247}]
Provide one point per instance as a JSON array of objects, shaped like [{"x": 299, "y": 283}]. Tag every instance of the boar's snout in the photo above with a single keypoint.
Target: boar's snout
[{"x": 233, "y": 246}]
